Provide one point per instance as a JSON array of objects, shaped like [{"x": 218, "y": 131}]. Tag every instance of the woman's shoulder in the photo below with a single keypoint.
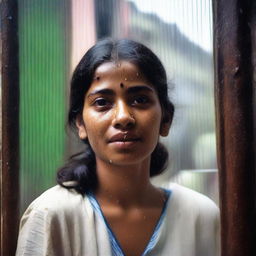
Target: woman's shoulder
[
  {"x": 189, "y": 200},
  {"x": 52, "y": 220},
  {"x": 194, "y": 219},
  {"x": 57, "y": 199}
]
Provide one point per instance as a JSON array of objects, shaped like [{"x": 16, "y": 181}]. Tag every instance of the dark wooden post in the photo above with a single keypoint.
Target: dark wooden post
[
  {"x": 10, "y": 128},
  {"x": 234, "y": 97}
]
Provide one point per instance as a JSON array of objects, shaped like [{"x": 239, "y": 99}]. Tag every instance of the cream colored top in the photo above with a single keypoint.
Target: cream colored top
[{"x": 62, "y": 222}]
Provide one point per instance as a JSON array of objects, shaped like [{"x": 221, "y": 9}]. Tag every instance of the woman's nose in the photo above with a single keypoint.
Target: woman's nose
[{"x": 123, "y": 118}]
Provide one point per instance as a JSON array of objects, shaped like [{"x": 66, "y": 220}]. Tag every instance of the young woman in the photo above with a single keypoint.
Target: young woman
[{"x": 105, "y": 203}]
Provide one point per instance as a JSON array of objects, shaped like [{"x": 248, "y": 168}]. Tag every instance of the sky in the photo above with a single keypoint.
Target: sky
[{"x": 193, "y": 17}]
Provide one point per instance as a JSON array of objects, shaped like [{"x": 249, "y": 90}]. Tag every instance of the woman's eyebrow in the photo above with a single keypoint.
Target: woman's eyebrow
[
  {"x": 101, "y": 91},
  {"x": 130, "y": 90},
  {"x": 139, "y": 88}
]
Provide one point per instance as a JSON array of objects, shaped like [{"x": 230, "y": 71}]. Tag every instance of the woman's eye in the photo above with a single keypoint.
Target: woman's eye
[
  {"x": 102, "y": 103},
  {"x": 141, "y": 100}
]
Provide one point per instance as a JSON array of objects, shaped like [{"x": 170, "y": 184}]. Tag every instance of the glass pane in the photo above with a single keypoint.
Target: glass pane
[
  {"x": 54, "y": 34},
  {"x": 180, "y": 32},
  {"x": 43, "y": 70}
]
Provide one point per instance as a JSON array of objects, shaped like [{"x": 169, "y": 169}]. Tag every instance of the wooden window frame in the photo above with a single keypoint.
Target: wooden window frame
[
  {"x": 9, "y": 177},
  {"x": 235, "y": 83},
  {"x": 234, "y": 47}
]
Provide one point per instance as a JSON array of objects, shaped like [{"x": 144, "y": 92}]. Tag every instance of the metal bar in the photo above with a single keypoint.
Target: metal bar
[
  {"x": 10, "y": 127},
  {"x": 235, "y": 128}
]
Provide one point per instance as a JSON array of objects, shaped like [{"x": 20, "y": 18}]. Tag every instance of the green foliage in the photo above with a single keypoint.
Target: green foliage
[{"x": 42, "y": 94}]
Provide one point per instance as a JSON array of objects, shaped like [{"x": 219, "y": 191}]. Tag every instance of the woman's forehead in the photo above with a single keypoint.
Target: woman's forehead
[
  {"x": 123, "y": 69},
  {"x": 118, "y": 76}
]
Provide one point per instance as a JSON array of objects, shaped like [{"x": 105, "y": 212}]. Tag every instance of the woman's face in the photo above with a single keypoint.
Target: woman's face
[{"x": 121, "y": 115}]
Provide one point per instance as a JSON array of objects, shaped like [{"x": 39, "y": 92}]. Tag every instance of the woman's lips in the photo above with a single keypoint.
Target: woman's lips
[
  {"x": 124, "y": 140},
  {"x": 124, "y": 137}
]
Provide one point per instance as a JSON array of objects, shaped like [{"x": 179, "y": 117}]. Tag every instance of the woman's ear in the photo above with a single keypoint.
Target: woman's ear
[
  {"x": 166, "y": 123},
  {"x": 165, "y": 127},
  {"x": 81, "y": 128}
]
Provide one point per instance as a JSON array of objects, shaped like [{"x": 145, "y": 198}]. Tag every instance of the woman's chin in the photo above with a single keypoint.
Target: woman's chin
[{"x": 126, "y": 160}]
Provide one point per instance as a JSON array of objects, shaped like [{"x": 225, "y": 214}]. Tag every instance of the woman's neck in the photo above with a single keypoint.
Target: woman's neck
[{"x": 126, "y": 186}]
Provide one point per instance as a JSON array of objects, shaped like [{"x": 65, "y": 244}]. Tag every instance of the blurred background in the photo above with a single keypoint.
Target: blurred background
[{"x": 54, "y": 35}]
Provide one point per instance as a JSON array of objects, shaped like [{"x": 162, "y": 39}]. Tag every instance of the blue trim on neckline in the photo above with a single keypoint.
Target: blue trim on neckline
[{"x": 115, "y": 245}]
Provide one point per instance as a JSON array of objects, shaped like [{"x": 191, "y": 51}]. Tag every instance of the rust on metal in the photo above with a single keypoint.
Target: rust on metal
[
  {"x": 10, "y": 128},
  {"x": 235, "y": 125}
]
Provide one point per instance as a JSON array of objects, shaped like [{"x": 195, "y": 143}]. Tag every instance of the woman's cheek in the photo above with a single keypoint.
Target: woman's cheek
[
  {"x": 96, "y": 125},
  {"x": 153, "y": 118}
]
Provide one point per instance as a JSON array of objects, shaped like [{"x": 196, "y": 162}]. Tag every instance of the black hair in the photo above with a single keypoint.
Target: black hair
[{"x": 80, "y": 171}]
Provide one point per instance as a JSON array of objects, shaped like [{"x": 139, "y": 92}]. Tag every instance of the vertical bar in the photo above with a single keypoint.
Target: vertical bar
[
  {"x": 83, "y": 29},
  {"x": 104, "y": 19},
  {"x": 235, "y": 132},
  {"x": 10, "y": 127},
  {"x": 83, "y": 36},
  {"x": 43, "y": 64},
  {"x": 253, "y": 38}
]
